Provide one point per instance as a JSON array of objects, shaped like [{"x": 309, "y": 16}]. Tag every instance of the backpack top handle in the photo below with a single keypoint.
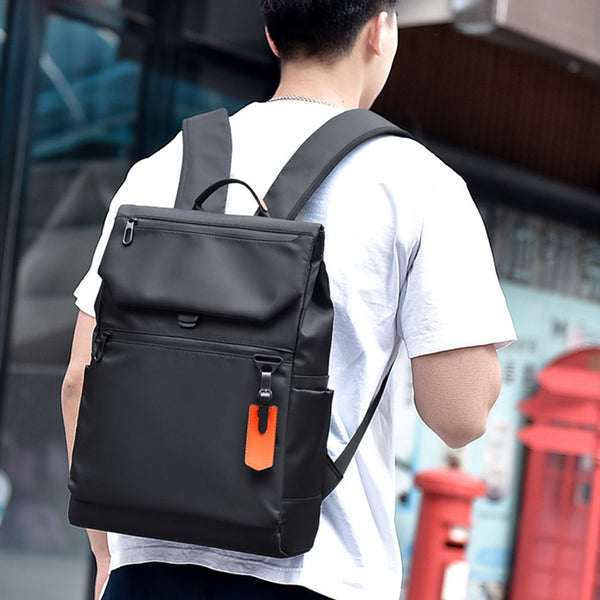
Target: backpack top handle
[{"x": 207, "y": 159}]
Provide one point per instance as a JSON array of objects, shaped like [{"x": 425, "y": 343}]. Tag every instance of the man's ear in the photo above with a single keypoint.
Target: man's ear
[
  {"x": 377, "y": 31},
  {"x": 271, "y": 43}
]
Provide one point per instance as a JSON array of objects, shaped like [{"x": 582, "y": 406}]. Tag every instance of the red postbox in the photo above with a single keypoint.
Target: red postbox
[
  {"x": 439, "y": 570},
  {"x": 558, "y": 538}
]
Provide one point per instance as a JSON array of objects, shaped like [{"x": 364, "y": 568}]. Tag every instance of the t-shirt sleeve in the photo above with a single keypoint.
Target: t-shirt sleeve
[
  {"x": 451, "y": 297},
  {"x": 152, "y": 181},
  {"x": 87, "y": 290}
]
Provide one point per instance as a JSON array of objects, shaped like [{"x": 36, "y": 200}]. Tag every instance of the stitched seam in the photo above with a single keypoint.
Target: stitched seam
[
  {"x": 212, "y": 235},
  {"x": 189, "y": 350}
]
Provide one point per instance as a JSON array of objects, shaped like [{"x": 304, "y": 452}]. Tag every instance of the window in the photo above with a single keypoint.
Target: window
[
  {"x": 83, "y": 134},
  {"x": 113, "y": 80},
  {"x": 3, "y": 6}
]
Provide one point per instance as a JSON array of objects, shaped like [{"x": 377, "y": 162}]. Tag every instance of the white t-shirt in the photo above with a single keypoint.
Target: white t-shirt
[{"x": 408, "y": 259}]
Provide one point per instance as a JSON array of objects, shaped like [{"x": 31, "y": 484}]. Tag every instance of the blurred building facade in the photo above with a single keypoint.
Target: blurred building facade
[{"x": 88, "y": 87}]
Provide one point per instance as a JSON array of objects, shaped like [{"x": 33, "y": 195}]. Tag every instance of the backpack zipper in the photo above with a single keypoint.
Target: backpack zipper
[
  {"x": 99, "y": 345},
  {"x": 128, "y": 232},
  {"x": 273, "y": 356},
  {"x": 131, "y": 222}
]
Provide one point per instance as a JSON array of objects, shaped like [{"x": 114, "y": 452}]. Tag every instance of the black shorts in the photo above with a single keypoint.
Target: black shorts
[{"x": 160, "y": 581}]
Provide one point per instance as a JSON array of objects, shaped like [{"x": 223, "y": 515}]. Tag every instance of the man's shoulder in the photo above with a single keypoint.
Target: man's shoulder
[
  {"x": 154, "y": 180},
  {"x": 166, "y": 158},
  {"x": 400, "y": 163},
  {"x": 401, "y": 154}
]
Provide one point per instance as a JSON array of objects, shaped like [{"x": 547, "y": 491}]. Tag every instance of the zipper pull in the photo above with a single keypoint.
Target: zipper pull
[
  {"x": 128, "y": 233},
  {"x": 99, "y": 346},
  {"x": 262, "y": 419}
]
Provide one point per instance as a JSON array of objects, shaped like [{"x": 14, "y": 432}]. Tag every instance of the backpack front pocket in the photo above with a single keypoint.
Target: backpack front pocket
[{"x": 196, "y": 414}]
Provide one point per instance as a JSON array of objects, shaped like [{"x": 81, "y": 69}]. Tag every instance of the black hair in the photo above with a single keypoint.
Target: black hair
[{"x": 323, "y": 29}]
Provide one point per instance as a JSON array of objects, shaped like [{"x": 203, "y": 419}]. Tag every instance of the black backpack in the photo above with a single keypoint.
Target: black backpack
[{"x": 205, "y": 409}]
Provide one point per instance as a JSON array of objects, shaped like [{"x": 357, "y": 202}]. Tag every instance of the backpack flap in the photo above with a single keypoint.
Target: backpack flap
[{"x": 198, "y": 263}]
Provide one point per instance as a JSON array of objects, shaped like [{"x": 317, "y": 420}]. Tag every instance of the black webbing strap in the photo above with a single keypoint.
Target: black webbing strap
[
  {"x": 206, "y": 159},
  {"x": 319, "y": 155},
  {"x": 336, "y": 469}
]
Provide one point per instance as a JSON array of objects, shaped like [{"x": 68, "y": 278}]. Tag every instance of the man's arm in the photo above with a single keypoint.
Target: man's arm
[
  {"x": 455, "y": 391},
  {"x": 71, "y": 397},
  {"x": 73, "y": 382}
]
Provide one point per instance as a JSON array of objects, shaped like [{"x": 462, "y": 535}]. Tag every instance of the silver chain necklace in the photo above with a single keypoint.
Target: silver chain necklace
[{"x": 303, "y": 99}]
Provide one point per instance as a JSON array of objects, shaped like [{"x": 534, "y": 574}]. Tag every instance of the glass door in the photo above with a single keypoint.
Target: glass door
[{"x": 3, "y": 7}]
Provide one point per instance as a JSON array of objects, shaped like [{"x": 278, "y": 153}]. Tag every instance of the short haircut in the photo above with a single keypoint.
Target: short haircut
[{"x": 322, "y": 29}]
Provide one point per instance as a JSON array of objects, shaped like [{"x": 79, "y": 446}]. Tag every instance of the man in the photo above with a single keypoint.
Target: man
[{"x": 408, "y": 259}]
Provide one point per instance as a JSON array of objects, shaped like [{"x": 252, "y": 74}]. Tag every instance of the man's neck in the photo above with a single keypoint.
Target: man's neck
[{"x": 335, "y": 84}]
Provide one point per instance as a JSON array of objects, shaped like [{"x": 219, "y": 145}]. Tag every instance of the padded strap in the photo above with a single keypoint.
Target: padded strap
[
  {"x": 206, "y": 159},
  {"x": 319, "y": 155},
  {"x": 336, "y": 469}
]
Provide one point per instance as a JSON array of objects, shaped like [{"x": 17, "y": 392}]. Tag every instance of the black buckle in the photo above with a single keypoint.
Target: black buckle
[
  {"x": 267, "y": 365},
  {"x": 187, "y": 321}
]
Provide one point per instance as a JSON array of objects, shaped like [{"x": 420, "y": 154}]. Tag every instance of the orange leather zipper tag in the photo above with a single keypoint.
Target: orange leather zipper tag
[{"x": 260, "y": 447}]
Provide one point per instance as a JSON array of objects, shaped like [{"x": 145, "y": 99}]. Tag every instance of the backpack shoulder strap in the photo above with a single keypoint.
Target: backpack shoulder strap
[
  {"x": 297, "y": 182},
  {"x": 335, "y": 469},
  {"x": 320, "y": 154},
  {"x": 206, "y": 159}
]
